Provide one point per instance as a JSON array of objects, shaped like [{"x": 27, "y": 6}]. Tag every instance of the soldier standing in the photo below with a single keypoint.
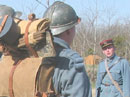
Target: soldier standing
[
  {"x": 70, "y": 78},
  {"x": 113, "y": 78}
]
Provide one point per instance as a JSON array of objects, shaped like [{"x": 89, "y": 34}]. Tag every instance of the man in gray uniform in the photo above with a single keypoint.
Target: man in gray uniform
[
  {"x": 113, "y": 79},
  {"x": 70, "y": 78}
]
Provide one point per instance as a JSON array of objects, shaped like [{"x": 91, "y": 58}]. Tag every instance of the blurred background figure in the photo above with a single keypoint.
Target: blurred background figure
[{"x": 113, "y": 79}]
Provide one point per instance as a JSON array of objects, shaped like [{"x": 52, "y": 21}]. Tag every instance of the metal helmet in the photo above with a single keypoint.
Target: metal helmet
[
  {"x": 6, "y": 10},
  {"x": 62, "y": 17},
  {"x": 9, "y": 31}
]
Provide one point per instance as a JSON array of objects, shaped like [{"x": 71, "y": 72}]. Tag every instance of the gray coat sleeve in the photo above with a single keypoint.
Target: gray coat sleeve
[
  {"x": 72, "y": 80},
  {"x": 126, "y": 78}
]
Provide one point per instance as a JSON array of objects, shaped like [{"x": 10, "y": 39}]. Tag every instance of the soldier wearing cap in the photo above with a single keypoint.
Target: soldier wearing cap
[
  {"x": 70, "y": 78},
  {"x": 113, "y": 78}
]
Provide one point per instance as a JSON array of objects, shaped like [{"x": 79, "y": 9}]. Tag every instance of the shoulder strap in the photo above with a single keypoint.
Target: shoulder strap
[
  {"x": 111, "y": 67},
  {"x": 113, "y": 81}
]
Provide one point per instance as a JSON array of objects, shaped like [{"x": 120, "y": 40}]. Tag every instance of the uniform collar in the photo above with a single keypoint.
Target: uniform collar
[
  {"x": 61, "y": 42},
  {"x": 110, "y": 59}
]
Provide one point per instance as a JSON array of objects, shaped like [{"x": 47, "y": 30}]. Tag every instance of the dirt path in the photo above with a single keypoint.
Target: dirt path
[{"x": 93, "y": 92}]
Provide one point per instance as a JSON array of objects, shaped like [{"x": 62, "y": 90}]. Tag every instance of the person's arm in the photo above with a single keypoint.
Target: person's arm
[
  {"x": 126, "y": 78},
  {"x": 98, "y": 82},
  {"x": 71, "y": 79},
  {"x": 78, "y": 84}
]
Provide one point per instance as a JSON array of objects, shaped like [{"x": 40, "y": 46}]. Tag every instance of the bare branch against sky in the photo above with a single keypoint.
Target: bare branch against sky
[{"x": 42, "y": 3}]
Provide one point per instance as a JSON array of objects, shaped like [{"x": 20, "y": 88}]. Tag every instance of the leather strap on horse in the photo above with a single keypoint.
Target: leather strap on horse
[
  {"x": 11, "y": 92},
  {"x": 113, "y": 81},
  {"x": 3, "y": 23},
  {"x": 26, "y": 37}
]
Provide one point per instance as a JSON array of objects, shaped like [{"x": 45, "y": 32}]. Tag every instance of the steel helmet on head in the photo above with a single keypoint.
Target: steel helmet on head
[
  {"x": 6, "y": 10},
  {"x": 9, "y": 30},
  {"x": 62, "y": 17}
]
